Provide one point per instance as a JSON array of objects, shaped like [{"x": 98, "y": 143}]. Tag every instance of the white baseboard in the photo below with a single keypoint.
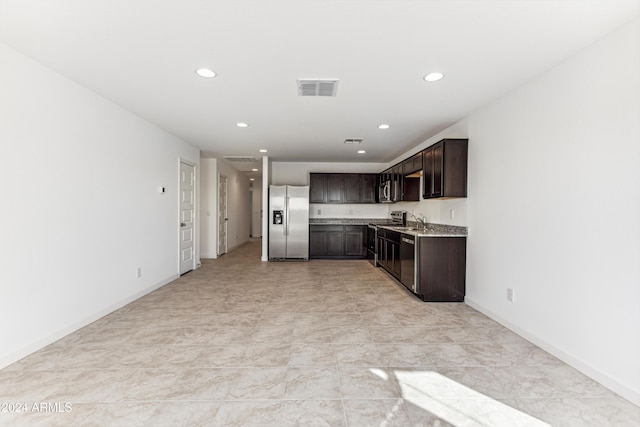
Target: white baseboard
[
  {"x": 51, "y": 338},
  {"x": 595, "y": 374}
]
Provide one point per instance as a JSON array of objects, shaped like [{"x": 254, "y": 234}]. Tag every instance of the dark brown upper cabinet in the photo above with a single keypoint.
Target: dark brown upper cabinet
[
  {"x": 444, "y": 169},
  {"x": 342, "y": 188},
  {"x": 352, "y": 184},
  {"x": 412, "y": 165},
  {"x": 335, "y": 188},
  {"x": 368, "y": 187},
  {"x": 318, "y": 188}
]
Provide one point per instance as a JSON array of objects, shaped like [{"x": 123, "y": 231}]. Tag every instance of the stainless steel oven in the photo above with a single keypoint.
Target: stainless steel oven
[{"x": 372, "y": 244}]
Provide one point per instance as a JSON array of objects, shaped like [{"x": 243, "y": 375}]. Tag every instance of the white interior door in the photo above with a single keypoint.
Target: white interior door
[
  {"x": 187, "y": 192},
  {"x": 222, "y": 215}
]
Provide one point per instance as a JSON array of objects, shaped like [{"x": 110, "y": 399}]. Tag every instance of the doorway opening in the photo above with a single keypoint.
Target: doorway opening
[{"x": 222, "y": 215}]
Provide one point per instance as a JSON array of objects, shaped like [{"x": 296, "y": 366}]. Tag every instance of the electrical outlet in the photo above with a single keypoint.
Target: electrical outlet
[
  {"x": 319, "y": 211},
  {"x": 509, "y": 294},
  {"x": 139, "y": 272},
  {"x": 452, "y": 213}
]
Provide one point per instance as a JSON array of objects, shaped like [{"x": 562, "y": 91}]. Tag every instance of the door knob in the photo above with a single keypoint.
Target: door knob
[{"x": 182, "y": 224}]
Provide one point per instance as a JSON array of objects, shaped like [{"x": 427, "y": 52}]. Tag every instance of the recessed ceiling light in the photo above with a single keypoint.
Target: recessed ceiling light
[
  {"x": 361, "y": 151},
  {"x": 263, "y": 150},
  {"x": 251, "y": 179},
  {"x": 384, "y": 126},
  {"x": 242, "y": 125},
  {"x": 254, "y": 170},
  {"x": 433, "y": 77},
  {"x": 206, "y": 73}
]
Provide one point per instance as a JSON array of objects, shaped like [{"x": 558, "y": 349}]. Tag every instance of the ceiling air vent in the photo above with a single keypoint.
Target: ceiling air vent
[
  {"x": 353, "y": 141},
  {"x": 317, "y": 87},
  {"x": 240, "y": 159}
]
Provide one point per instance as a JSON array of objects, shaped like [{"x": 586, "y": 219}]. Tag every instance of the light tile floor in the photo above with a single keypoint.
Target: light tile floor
[{"x": 240, "y": 342}]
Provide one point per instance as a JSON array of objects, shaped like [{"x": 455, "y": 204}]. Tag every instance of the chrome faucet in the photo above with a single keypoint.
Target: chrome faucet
[{"x": 421, "y": 220}]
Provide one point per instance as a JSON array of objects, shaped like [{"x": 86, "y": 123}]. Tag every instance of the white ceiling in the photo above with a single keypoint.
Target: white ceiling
[{"x": 142, "y": 54}]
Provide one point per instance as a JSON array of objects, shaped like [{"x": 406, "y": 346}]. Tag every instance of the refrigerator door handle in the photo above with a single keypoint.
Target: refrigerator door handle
[{"x": 286, "y": 216}]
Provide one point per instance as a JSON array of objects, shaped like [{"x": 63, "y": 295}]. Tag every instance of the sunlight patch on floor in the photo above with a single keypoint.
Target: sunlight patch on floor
[{"x": 440, "y": 396}]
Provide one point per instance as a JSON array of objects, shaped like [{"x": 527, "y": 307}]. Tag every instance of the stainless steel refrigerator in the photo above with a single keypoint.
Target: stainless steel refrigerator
[{"x": 288, "y": 222}]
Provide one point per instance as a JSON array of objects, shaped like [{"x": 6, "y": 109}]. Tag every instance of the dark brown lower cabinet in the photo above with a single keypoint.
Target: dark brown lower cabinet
[
  {"x": 389, "y": 251},
  {"x": 337, "y": 241},
  {"x": 355, "y": 237},
  {"x": 442, "y": 268}
]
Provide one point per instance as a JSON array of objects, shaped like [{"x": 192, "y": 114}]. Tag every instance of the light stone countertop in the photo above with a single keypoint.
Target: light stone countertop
[
  {"x": 349, "y": 221},
  {"x": 433, "y": 230}
]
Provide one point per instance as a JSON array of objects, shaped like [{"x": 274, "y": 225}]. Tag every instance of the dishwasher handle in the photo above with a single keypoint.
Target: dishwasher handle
[{"x": 404, "y": 239}]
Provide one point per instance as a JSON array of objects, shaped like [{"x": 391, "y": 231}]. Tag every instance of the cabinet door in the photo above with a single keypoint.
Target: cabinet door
[
  {"x": 417, "y": 162},
  {"x": 317, "y": 242},
  {"x": 396, "y": 258},
  {"x": 411, "y": 190},
  {"x": 445, "y": 169},
  {"x": 427, "y": 173},
  {"x": 442, "y": 267},
  {"x": 317, "y": 188},
  {"x": 407, "y": 166},
  {"x": 389, "y": 256},
  {"x": 368, "y": 187},
  {"x": 335, "y": 188},
  {"x": 454, "y": 169},
  {"x": 382, "y": 253},
  {"x": 354, "y": 241},
  {"x": 438, "y": 157},
  {"x": 412, "y": 164},
  {"x": 335, "y": 243},
  {"x": 352, "y": 184}
]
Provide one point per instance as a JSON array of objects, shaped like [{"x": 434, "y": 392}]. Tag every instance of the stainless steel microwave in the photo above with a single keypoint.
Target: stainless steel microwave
[{"x": 386, "y": 192}]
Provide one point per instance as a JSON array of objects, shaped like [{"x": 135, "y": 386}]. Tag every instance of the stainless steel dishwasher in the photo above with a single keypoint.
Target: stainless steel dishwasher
[{"x": 408, "y": 261}]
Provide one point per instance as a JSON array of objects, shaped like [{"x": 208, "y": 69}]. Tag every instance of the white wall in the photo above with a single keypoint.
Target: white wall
[
  {"x": 81, "y": 211},
  {"x": 208, "y": 208},
  {"x": 554, "y": 210},
  {"x": 256, "y": 204}
]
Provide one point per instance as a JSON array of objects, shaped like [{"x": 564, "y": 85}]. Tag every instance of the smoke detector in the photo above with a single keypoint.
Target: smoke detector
[{"x": 317, "y": 87}]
